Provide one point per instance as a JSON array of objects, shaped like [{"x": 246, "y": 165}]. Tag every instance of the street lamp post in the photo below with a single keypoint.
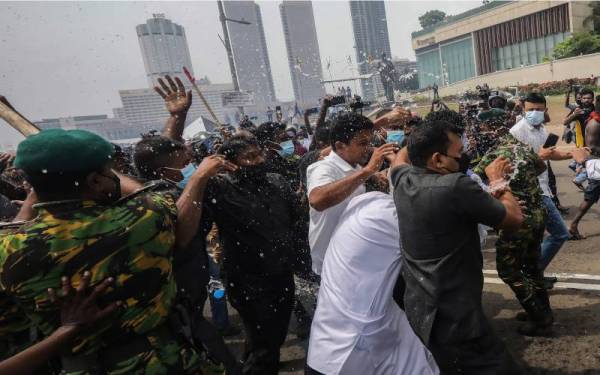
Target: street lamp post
[{"x": 227, "y": 43}]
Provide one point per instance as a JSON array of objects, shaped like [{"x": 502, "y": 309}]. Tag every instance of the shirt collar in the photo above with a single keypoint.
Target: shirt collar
[{"x": 343, "y": 164}]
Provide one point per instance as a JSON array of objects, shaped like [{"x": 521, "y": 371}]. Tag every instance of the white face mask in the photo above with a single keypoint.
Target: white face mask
[{"x": 534, "y": 117}]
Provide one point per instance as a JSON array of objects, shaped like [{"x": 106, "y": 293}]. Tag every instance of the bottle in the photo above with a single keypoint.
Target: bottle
[{"x": 216, "y": 288}]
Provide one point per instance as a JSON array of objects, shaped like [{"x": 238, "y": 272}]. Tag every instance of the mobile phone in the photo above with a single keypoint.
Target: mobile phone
[{"x": 551, "y": 141}]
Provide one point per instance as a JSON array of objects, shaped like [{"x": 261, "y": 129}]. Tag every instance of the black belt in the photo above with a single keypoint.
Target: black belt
[{"x": 99, "y": 362}]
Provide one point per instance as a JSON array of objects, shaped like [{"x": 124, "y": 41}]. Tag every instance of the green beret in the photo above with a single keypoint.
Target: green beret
[{"x": 59, "y": 150}]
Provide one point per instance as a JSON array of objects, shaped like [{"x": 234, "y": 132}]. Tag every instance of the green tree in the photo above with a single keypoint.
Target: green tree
[
  {"x": 431, "y": 17},
  {"x": 594, "y": 17},
  {"x": 581, "y": 43}
]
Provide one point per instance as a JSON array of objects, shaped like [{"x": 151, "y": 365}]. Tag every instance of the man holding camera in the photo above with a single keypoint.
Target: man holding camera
[{"x": 580, "y": 115}]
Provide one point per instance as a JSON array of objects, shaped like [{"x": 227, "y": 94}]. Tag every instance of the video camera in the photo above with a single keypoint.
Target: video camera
[{"x": 484, "y": 92}]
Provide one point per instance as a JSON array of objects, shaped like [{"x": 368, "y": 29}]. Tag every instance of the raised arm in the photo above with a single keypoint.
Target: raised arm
[
  {"x": 331, "y": 194},
  {"x": 189, "y": 204},
  {"x": 495, "y": 172},
  {"x": 178, "y": 102}
]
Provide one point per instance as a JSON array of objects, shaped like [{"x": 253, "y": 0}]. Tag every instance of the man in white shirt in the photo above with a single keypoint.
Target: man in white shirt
[
  {"x": 358, "y": 328},
  {"x": 530, "y": 130},
  {"x": 339, "y": 177}
]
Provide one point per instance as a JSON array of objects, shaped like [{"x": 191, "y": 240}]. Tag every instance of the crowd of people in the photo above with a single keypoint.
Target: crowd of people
[{"x": 367, "y": 231}]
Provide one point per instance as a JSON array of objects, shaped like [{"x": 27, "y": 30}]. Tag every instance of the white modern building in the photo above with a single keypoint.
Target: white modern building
[
  {"x": 303, "y": 51},
  {"x": 145, "y": 110},
  {"x": 109, "y": 128},
  {"x": 371, "y": 39},
  {"x": 164, "y": 48},
  {"x": 249, "y": 48}
]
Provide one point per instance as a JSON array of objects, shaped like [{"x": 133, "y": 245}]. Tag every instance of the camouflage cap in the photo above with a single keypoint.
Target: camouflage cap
[{"x": 59, "y": 150}]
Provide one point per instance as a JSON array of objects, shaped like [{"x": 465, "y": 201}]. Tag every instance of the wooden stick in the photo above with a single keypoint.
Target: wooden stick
[
  {"x": 17, "y": 121},
  {"x": 193, "y": 81}
]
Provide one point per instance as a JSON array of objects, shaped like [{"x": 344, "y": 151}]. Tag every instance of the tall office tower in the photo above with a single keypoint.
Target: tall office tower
[
  {"x": 371, "y": 37},
  {"x": 164, "y": 48},
  {"x": 249, "y": 48},
  {"x": 303, "y": 51}
]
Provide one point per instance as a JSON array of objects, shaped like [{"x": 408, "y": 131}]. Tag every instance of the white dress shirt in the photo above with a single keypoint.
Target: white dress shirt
[
  {"x": 534, "y": 137},
  {"x": 358, "y": 329},
  {"x": 322, "y": 223}
]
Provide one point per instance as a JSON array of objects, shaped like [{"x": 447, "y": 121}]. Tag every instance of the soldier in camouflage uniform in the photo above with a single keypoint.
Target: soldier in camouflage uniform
[
  {"x": 130, "y": 239},
  {"x": 518, "y": 253}
]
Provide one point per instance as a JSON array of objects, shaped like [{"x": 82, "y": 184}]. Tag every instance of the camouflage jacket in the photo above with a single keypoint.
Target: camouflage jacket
[
  {"x": 524, "y": 182},
  {"x": 132, "y": 241}
]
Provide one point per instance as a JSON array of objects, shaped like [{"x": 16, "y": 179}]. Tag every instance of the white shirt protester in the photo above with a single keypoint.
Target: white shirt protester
[
  {"x": 322, "y": 223},
  {"x": 358, "y": 329},
  {"x": 524, "y": 132}
]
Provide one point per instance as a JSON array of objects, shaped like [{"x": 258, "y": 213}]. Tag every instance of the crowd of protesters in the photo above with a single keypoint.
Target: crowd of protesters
[{"x": 367, "y": 231}]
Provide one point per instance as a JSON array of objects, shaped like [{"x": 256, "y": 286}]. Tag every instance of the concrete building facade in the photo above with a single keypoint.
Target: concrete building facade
[
  {"x": 303, "y": 51},
  {"x": 164, "y": 48},
  {"x": 497, "y": 36},
  {"x": 371, "y": 38},
  {"x": 109, "y": 128},
  {"x": 145, "y": 110},
  {"x": 249, "y": 48}
]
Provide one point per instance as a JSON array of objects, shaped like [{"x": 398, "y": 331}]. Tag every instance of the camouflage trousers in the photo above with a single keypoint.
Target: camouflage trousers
[{"x": 517, "y": 260}]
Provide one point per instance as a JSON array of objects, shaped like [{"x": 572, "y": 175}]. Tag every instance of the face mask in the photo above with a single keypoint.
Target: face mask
[
  {"x": 395, "y": 136},
  {"x": 117, "y": 182},
  {"x": 534, "y": 117},
  {"x": 287, "y": 149},
  {"x": 463, "y": 163},
  {"x": 253, "y": 172},
  {"x": 187, "y": 173}
]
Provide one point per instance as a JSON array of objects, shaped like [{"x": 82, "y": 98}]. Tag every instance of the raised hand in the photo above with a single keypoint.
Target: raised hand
[
  {"x": 212, "y": 165},
  {"x": 177, "y": 100},
  {"x": 6, "y": 161},
  {"x": 379, "y": 155}
]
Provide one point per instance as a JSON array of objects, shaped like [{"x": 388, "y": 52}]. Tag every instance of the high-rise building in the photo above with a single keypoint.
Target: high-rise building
[
  {"x": 369, "y": 24},
  {"x": 164, "y": 48},
  {"x": 249, "y": 48},
  {"x": 303, "y": 51}
]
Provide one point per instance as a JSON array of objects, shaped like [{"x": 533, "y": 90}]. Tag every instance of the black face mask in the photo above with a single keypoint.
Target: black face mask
[
  {"x": 463, "y": 162},
  {"x": 253, "y": 172}
]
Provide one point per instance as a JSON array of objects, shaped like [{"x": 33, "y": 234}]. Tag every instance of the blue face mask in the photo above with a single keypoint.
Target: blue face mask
[
  {"x": 287, "y": 148},
  {"x": 395, "y": 136},
  {"x": 535, "y": 118},
  {"x": 187, "y": 173}
]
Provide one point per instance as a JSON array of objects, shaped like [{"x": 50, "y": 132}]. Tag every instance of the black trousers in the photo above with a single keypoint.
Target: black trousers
[
  {"x": 485, "y": 355},
  {"x": 265, "y": 305}
]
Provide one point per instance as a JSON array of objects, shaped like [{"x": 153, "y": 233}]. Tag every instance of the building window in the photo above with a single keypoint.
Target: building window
[{"x": 526, "y": 53}]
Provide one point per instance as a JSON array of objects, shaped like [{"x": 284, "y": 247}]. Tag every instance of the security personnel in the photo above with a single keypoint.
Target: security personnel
[
  {"x": 518, "y": 253},
  {"x": 82, "y": 223}
]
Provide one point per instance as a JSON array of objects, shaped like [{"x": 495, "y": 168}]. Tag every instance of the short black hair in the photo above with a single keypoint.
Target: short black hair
[
  {"x": 586, "y": 91},
  {"x": 235, "y": 145},
  {"x": 535, "y": 97},
  {"x": 447, "y": 115},
  {"x": 346, "y": 126},
  {"x": 151, "y": 153},
  {"x": 266, "y": 132},
  {"x": 323, "y": 133},
  {"x": 429, "y": 138}
]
